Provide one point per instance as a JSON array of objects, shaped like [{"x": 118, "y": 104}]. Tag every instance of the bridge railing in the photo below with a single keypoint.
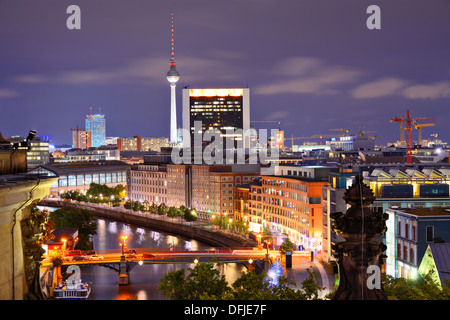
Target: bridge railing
[{"x": 212, "y": 250}]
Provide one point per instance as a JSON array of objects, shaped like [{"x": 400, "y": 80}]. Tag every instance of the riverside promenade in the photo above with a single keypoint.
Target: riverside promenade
[{"x": 203, "y": 231}]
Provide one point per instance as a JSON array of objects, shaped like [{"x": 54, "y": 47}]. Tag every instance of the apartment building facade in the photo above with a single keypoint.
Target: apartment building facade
[{"x": 288, "y": 205}]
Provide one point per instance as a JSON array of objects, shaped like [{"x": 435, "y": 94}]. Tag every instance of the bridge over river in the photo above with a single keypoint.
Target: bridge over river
[
  {"x": 123, "y": 263},
  {"x": 233, "y": 248}
]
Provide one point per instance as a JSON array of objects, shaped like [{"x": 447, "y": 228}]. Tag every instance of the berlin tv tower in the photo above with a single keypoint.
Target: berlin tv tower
[{"x": 172, "y": 77}]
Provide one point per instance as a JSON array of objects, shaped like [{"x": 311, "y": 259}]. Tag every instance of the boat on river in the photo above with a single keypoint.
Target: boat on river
[{"x": 72, "y": 290}]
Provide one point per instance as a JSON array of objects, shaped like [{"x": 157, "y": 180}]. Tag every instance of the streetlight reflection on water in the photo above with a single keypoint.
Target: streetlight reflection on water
[{"x": 145, "y": 278}]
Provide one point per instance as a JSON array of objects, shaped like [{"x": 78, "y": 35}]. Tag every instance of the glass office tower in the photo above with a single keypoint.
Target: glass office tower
[{"x": 96, "y": 124}]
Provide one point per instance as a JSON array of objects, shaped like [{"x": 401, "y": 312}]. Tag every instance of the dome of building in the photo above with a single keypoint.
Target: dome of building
[{"x": 58, "y": 154}]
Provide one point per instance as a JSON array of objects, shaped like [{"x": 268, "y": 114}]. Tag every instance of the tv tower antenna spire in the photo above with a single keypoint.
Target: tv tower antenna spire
[
  {"x": 173, "y": 52},
  {"x": 173, "y": 76}
]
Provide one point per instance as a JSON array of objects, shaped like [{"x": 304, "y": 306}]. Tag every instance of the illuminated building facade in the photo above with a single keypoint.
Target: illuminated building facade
[
  {"x": 242, "y": 199},
  {"x": 79, "y": 175},
  {"x": 38, "y": 150},
  {"x": 289, "y": 205},
  {"x": 148, "y": 182},
  {"x": 349, "y": 143},
  {"x": 409, "y": 233},
  {"x": 81, "y": 139},
  {"x": 96, "y": 125},
  {"x": 333, "y": 201},
  {"x": 208, "y": 189},
  {"x": 178, "y": 191},
  {"x": 217, "y": 109},
  {"x": 213, "y": 187},
  {"x": 138, "y": 143},
  {"x": 393, "y": 187},
  {"x": 103, "y": 153}
]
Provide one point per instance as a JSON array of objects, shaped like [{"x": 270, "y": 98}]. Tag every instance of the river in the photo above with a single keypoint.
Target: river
[{"x": 144, "y": 279}]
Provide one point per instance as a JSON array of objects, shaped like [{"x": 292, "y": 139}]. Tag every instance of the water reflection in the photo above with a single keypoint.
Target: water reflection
[{"x": 144, "y": 279}]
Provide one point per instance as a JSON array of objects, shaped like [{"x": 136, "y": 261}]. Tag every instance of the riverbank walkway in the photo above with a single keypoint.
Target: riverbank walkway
[{"x": 301, "y": 260}]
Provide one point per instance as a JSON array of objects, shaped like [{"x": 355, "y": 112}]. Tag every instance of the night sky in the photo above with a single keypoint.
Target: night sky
[{"x": 312, "y": 65}]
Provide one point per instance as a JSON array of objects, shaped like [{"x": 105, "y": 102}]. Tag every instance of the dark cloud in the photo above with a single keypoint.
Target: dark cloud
[{"x": 313, "y": 65}]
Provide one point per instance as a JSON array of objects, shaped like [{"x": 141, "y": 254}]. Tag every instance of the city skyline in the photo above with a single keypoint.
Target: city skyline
[{"x": 312, "y": 67}]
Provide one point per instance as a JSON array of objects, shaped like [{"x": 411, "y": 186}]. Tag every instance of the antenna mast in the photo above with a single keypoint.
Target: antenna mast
[{"x": 172, "y": 38}]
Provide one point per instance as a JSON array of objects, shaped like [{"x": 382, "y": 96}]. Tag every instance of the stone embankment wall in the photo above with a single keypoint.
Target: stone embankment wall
[{"x": 209, "y": 236}]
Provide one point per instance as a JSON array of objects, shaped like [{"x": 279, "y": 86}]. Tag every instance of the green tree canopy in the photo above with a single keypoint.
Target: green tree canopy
[
  {"x": 204, "y": 282},
  {"x": 82, "y": 219},
  {"x": 422, "y": 288},
  {"x": 287, "y": 245}
]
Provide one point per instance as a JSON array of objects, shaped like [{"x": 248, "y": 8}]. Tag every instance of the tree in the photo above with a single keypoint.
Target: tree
[
  {"x": 162, "y": 209},
  {"x": 422, "y": 288},
  {"x": 128, "y": 204},
  {"x": 310, "y": 287},
  {"x": 82, "y": 219},
  {"x": 137, "y": 206},
  {"x": 190, "y": 215},
  {"x": 153, "y": 208},
  {"x": 252, "y": 286},
  {"x": 266, "y": 235},
  {"x": 287, "y": 245},
  {"x": 119, "y": 191},
  {"x": 173, "y": 212},
  {"x": 204, "y": 282},
  {"x": 56, "y": 258}
]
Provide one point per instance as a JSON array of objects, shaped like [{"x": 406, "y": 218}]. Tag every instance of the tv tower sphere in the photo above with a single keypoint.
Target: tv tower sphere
[{"x": 172, "y": 75}]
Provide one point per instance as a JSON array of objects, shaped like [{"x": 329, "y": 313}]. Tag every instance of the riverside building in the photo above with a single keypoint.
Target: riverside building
[
  {"x": 79, "y": 175},
  {"x": 290, "y": 204}
]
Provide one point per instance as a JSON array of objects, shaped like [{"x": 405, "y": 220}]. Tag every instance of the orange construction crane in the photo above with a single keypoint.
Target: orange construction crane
[
  {"x": 402, "y": 128},
  {"x": 419, "y": 128},
  {"x": 316, "y": 136},
  {"x": 344, "y": 131},
  {"x": 408, "y": 123},
  {"x": 361, "y": 133}
]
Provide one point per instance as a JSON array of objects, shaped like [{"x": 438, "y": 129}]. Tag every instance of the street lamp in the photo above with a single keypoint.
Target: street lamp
[
  {"x": 64, "y": 246},
  {"x": 123, "y": 243},
  {"x": 267, "y": 246},
  {"x": 258, "y": 236}
]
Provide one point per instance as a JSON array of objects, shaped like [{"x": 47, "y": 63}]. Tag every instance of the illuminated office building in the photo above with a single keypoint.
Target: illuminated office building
[
  {"x": 38, "y": 150},
  {"x": 217, "y": 109},
  {"x": 138, "y": 143},
  {"x": 81, "y": 139},
  {"x": 96, "y": 125}
]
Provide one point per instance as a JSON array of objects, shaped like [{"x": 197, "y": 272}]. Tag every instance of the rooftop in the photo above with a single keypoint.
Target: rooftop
[
  {"x": 423, "y": 212},
  {"x": 441, "y": 257},
  {"x": 8, "y": 180},
  {"x": 89, "y": 166}
]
